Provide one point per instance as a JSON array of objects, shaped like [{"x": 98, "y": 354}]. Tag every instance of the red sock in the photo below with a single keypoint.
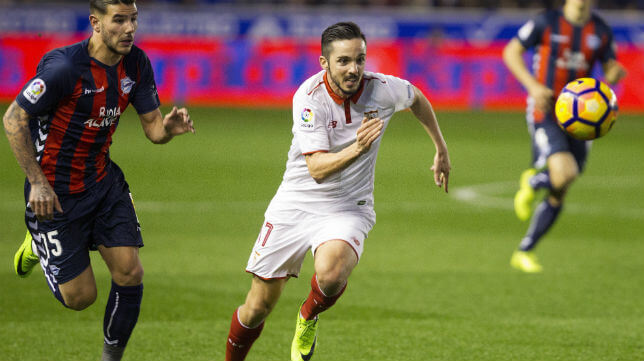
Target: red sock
[
  {"x": 240, "y": 339},
  {"x": 317, "y": 300}
]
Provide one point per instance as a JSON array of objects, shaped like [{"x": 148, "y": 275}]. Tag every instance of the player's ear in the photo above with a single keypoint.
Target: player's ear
[
  {"x": 324, "y": 63},
  {"x": 94, "y": 22}
]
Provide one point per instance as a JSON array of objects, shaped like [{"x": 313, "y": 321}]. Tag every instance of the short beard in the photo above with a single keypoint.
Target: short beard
[
  {"x": 347, "y": 93},
  {"x": 110, "y": 47}
]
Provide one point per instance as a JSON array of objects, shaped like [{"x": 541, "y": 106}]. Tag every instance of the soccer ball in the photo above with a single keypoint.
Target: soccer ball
[{"x": 586, "y": 108}]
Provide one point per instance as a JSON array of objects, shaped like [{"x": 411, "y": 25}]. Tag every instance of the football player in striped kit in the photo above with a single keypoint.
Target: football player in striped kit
[
  {"x": 567, "y": 43},
  {"x": 60, "y": 129}
]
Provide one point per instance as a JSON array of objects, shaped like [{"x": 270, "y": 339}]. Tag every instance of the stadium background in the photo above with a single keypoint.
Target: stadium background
[
  {"x": 257, "y": 55},
  {"x": 435, "y": 281}
]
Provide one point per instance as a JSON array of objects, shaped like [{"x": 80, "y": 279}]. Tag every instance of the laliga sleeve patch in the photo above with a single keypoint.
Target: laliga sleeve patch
[
  {"x": 35, "y": 90},
  {"x": 307, "y": 120}
]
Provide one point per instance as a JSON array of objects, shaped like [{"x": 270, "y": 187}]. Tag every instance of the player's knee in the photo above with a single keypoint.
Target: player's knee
[
  {"x": 563, "y": 171},
  {"x": 562, "y": 178},
  {"x": 129, "y": 276},
  {"x": 80, "y": 299},
  {"x": 256, "y": 311},
  {"x": 331, "y": 281}
]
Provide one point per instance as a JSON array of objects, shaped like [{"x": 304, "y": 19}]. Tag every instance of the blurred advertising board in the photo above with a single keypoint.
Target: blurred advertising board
[{"x": 254, "y": 59}]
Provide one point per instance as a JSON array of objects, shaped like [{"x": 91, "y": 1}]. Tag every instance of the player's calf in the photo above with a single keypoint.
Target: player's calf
[{"x": 121, "y": 314}]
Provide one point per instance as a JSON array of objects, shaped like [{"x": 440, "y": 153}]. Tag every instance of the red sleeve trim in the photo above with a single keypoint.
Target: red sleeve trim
[{"x": 315, "y": 151}]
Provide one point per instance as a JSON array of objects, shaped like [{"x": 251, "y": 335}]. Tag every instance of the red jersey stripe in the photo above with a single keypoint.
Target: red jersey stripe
[
  {"x": 87, "y": 139},
  {"x": 544, "y": 57},
  {"x": 566, "y": 31},
  {"x": 56, "y": 132},
  {"x": 588, "y": 31}
]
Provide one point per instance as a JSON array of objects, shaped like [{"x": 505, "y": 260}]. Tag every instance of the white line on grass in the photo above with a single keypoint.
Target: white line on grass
[
  {"x": 499, "y": 195},
  {"x": 496, "y": 195}
]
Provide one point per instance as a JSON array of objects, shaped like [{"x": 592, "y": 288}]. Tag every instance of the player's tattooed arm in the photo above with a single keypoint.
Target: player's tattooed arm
[
  {"x": 16, "y": 128},
  {"x": 422, "y": 109},
  {"x": 322, "y": 165},
  {"x": 42, "y": 198},
  {"x": 161, "y": 129}
]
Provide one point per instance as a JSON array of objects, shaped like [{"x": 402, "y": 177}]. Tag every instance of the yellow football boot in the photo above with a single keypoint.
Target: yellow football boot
[
  {"x": 524, "y": 197},
  {"x": 525, "y": 261},
  {"x": 25, "y": 259},
  {"x": 304, "y": 340}
]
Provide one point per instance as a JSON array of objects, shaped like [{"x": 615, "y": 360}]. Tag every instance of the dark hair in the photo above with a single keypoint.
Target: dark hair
[
  {"x": 100, "y": 6},
  {"x": 340, "y": 31}
]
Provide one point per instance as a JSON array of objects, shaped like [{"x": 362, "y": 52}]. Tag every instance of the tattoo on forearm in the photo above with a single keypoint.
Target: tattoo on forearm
[{"x": 16, "y": 126}]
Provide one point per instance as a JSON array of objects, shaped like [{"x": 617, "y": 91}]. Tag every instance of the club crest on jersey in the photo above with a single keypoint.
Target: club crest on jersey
[
  {"x": 306, "y": 119},
  {"x": 35, "y": 90},
  {"x": 126, "y": 85},
  {"x": 371, "y": 114}
]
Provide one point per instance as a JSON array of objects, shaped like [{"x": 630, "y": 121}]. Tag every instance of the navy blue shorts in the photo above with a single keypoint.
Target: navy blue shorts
[
  {"x": 103, "y": 215},
  {"x": 548, "y": 138}
]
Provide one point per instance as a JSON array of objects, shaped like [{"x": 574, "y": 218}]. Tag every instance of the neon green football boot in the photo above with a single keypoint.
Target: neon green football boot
[
  {"x": 526, "y": 261},
  {"x": 25, "y": 259},
  {"x": 524, "y": 197},
  {"x": 304, "y": 340}
]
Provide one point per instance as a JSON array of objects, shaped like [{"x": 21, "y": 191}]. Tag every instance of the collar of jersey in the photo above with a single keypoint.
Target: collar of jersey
[{"x": 338, "y": 99}]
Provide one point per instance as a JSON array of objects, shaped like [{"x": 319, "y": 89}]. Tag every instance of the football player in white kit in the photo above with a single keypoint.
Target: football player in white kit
[{"x": 325, "y": 201}]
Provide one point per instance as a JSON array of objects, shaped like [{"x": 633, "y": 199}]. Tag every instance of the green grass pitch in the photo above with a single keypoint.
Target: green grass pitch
[{"x": 434, "y": 282}]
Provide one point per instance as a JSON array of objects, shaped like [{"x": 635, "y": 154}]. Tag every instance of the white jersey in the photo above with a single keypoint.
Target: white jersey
[{"x": 324, "y": 122}]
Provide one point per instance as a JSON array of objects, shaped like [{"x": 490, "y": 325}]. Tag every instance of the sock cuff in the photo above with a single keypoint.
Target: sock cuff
[
  {"x": 236, "y": 318},
  {"x": 127, "y": 288}
]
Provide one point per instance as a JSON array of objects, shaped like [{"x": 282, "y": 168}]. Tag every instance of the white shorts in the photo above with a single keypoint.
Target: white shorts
[{"x": 282, "y": 245}]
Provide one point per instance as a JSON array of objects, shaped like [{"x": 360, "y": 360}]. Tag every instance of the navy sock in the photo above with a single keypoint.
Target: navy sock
[
  {"x": 541, "y": 180},
  {"x": 121, "y": 313},
  {"x": 544, "y": 217}
]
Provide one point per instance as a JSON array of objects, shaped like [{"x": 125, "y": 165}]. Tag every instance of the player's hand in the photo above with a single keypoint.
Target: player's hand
[
  {"x": 441, "y": 169},
  {"x": 543, "y": 96},
  {"x": 44, "y": 201},
  {"x": 178, "y": 122},
  {"x": 369, "y": 131}
]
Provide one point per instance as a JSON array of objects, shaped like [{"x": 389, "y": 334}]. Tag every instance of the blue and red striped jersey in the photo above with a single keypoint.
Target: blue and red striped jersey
[
  {"x": 75, "y": 103},
  {"x": 564, "y": 52}
]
